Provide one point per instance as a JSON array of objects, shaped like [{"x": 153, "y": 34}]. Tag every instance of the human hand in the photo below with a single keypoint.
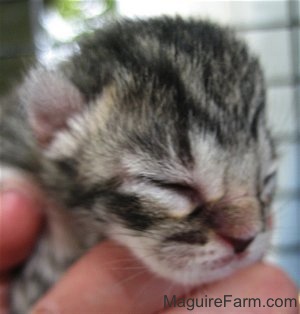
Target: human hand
[
  {"x": 108, "y": 279},
  {"x": 20, "y": 223}
]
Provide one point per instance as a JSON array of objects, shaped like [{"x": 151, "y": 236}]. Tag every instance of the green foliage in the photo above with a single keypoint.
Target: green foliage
[
  {"x": 75, "y": 17},
  {"x": 111, "y": 6},
  {"x": 67, "y": 8},
  {"x": 72, "y": 8}
]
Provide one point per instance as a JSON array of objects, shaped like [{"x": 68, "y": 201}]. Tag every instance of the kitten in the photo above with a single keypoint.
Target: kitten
[{"x": 152, "y": 134}]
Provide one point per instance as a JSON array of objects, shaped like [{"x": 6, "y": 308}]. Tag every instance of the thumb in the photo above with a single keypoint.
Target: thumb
[{"x": 20, "y": 218}]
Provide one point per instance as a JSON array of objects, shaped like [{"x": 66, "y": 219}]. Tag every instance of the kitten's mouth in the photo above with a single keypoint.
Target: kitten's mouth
[
  {"x": 227, "y": 260},
  {"x": 221, "y": 262}
]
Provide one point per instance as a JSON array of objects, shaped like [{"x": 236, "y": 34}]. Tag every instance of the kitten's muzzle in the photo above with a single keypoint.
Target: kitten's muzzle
[{"x": 237, "y": 222}]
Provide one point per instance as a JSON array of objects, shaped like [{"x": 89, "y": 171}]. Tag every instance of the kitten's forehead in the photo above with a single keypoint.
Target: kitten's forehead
[
  {"x": 213, "y": 171},
  {"x": 144, "y": 165}
]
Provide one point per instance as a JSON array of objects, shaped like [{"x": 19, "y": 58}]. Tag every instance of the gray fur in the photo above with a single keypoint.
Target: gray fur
[{"x": 160, "y": 131}]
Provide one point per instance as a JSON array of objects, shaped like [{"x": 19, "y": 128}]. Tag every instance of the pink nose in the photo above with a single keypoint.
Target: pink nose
[{"x": 239, "y": 245}]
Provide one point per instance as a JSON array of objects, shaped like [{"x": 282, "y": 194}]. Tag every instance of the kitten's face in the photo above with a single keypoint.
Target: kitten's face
[
  {"x": 200, "y": 228},
  {"x": 192, "y": 204},
  {"x": 198, "y": 224},
  {"x": 172, "y": 156}
]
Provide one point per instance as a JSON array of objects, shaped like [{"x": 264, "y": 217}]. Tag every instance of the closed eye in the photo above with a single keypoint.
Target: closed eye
[
  {"x": 269, "y": 178},
  {"x": 180, "y": 188},
  {"x": 269, "y": 185}
]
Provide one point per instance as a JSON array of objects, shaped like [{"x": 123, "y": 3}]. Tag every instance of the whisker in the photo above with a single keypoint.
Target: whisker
[
  {"x": 110, "y": 288},
  {"x": 282, "y": 208},
  {"x": 129, "y": 268},
  {"x": 144, "y": 234}
]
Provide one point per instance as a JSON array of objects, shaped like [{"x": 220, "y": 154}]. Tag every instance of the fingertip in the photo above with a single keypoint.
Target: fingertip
[
  {"x": 277, "y": 277},
  {"x": 263, "y": 282},
  {"x": 4, "y": 284},
  {"x": 20, "y": 223}
]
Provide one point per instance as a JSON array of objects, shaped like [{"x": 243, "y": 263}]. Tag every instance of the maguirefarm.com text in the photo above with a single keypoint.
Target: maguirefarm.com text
[{"x": 226, "y": 301}]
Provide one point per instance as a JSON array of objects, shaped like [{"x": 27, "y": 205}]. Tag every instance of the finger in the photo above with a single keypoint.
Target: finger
[
  {"x": 247, "y": 291},
  {"x": 107, "y": 280},
  {"x": 20, "y": 221},
  {"x": 4, "y": 296}
]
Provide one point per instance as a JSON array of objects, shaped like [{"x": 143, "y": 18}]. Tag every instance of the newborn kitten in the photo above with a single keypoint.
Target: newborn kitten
[{"x": 152, "y": 134}]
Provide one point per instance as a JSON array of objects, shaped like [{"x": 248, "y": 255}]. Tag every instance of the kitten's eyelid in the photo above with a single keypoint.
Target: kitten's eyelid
[
  {"x": 270, "y": 177},
  {"x": 181, "y": 187},
  {"x": 269, "y": 186},
  {"x": 272, "y": 171}
]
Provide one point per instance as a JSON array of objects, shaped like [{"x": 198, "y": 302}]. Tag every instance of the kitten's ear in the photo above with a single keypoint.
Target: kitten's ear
[{"x": 50, "y": 100}]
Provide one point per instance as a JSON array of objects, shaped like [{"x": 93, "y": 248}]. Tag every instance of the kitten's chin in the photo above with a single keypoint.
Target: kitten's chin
[
  {"x": 196, "y": 270},
  {"x": 192, "y": 264},
  {"x": 198, "y": 275}
]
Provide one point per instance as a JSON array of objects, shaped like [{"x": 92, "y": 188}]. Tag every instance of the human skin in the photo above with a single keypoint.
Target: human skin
[{"x": 108, "y": 279}]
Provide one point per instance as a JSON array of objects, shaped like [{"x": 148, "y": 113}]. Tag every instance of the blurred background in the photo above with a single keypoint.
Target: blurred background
[{"x": 43, "y": 31}]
